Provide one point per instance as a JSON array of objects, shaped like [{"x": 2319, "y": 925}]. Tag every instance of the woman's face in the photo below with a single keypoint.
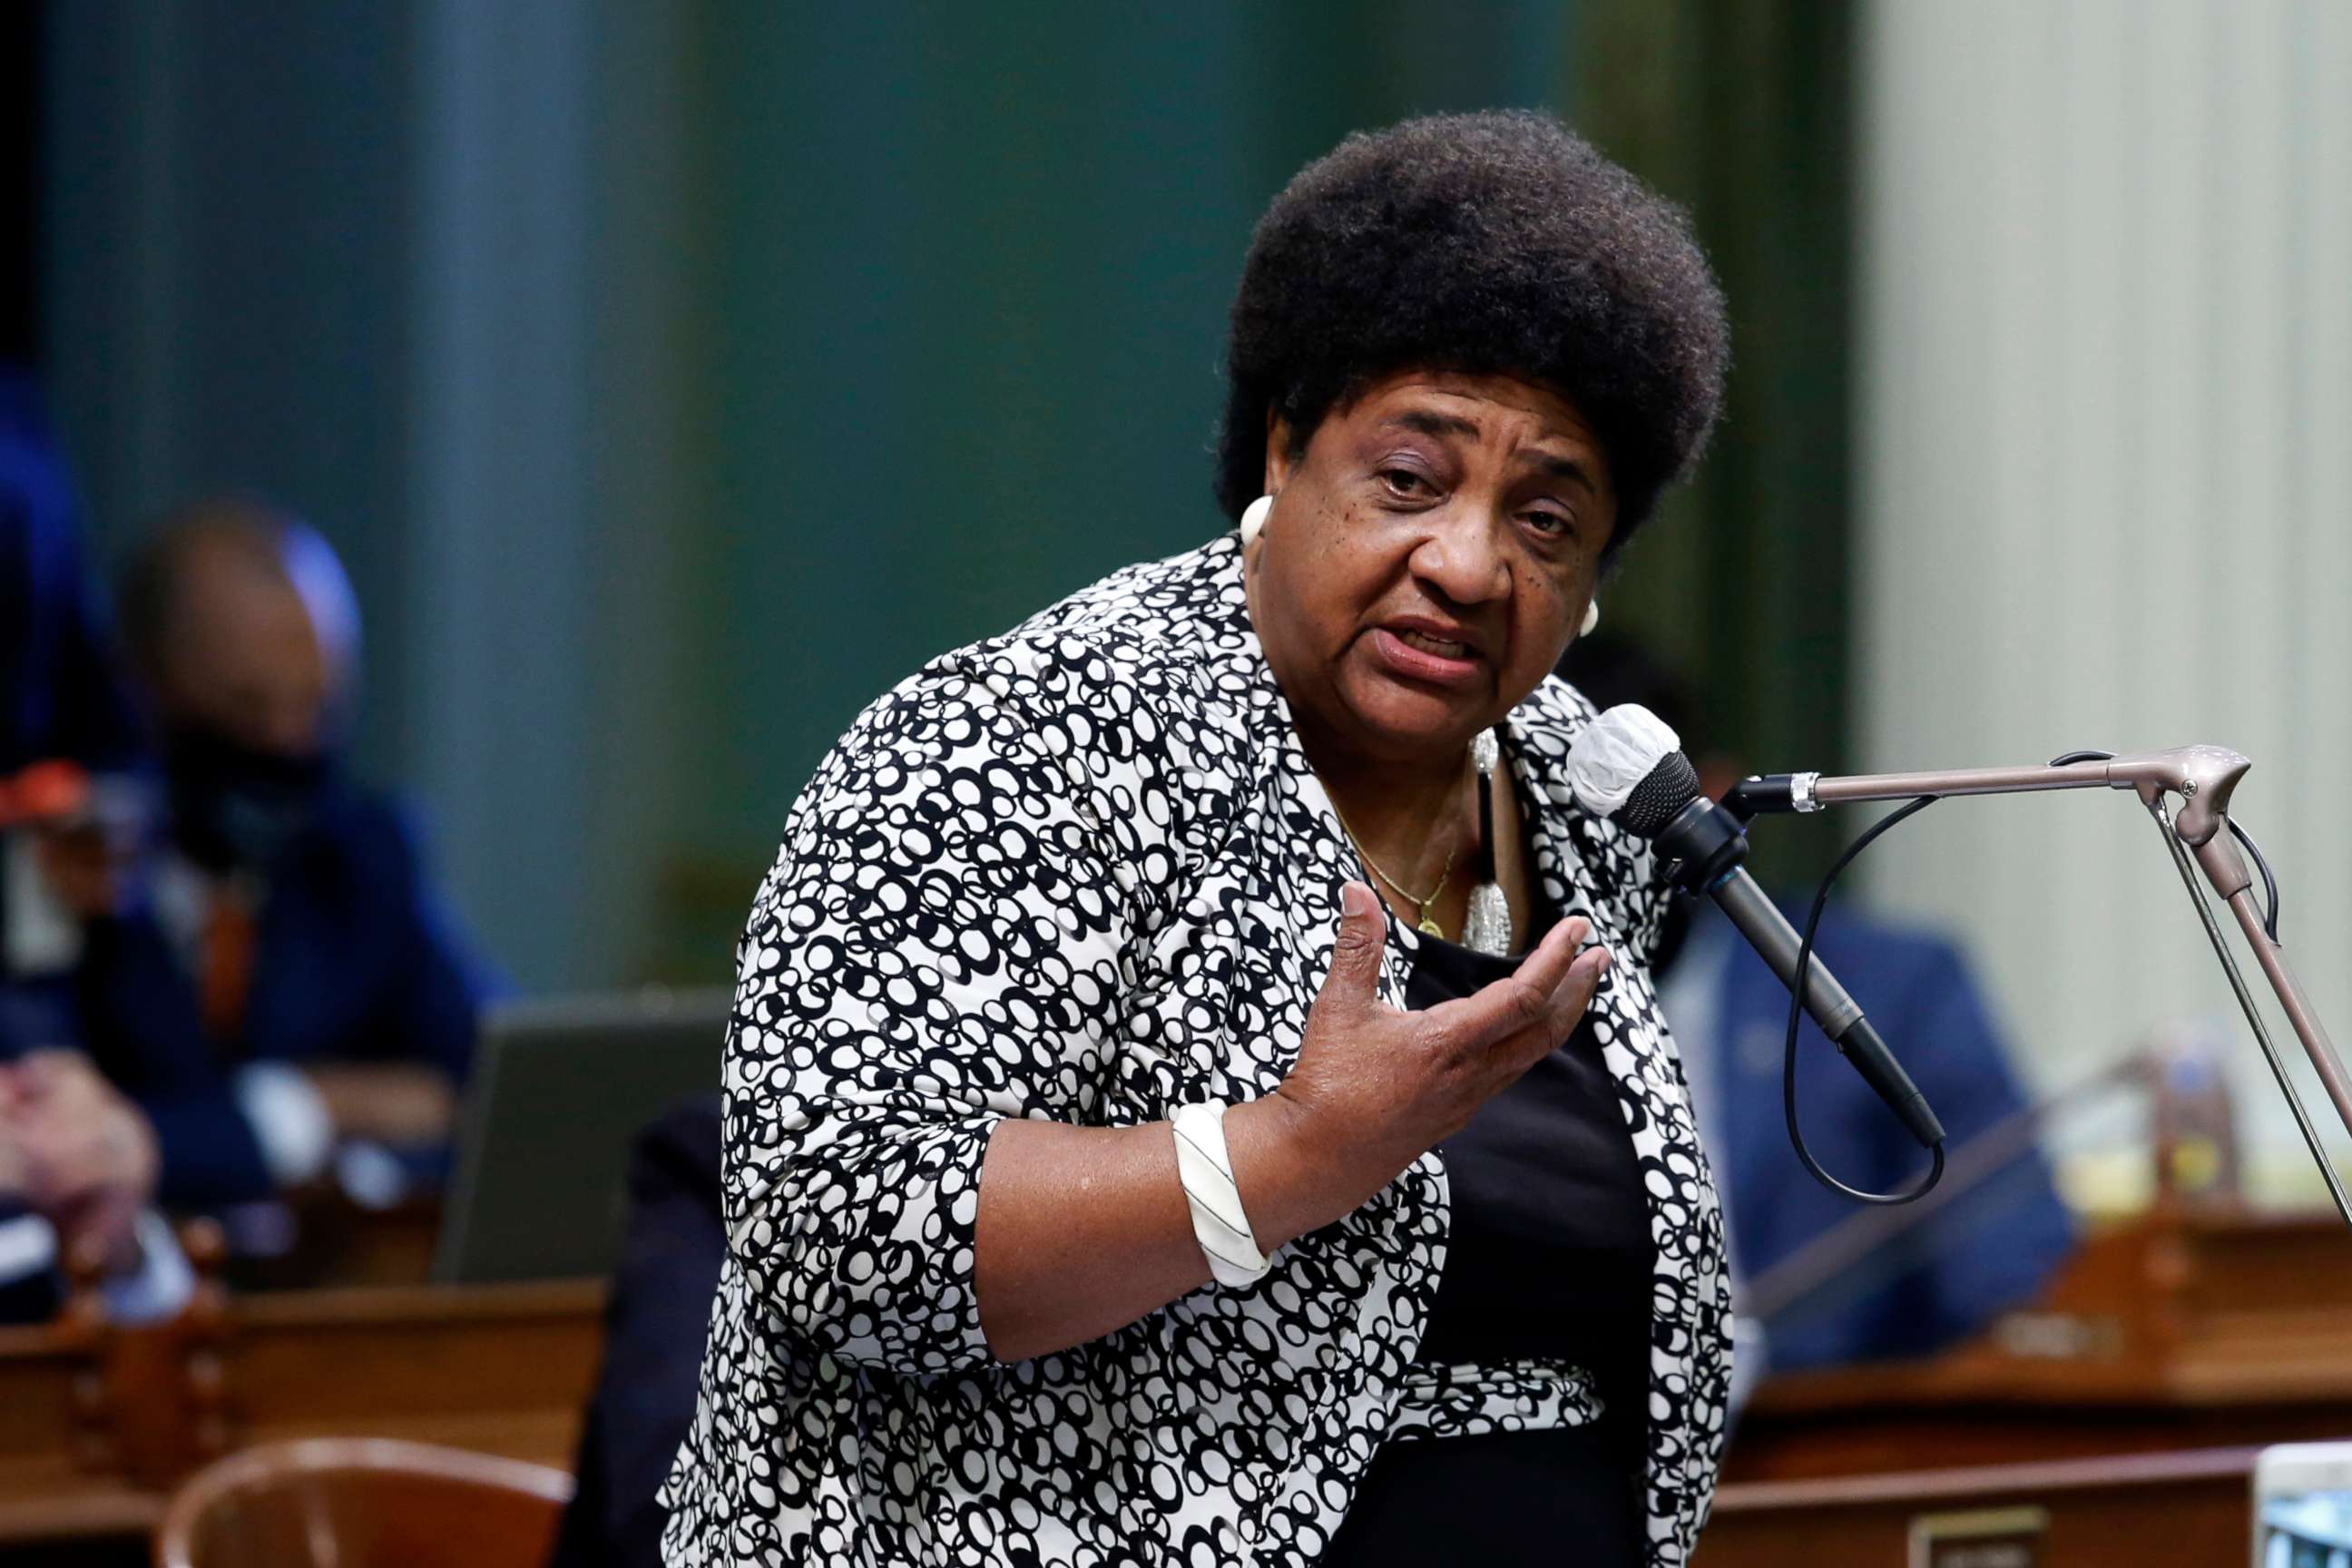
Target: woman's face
[{"x": 1427, "y": 559}]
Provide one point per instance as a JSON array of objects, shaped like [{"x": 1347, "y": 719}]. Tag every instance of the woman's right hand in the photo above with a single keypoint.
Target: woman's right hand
[
  {"x": 1082, "y": 1230},
  {"x": 1375, "y": 1087}
]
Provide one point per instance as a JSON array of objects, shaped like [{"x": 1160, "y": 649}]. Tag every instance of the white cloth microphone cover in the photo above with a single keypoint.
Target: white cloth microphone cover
[{"x": 1614, "y": 752}]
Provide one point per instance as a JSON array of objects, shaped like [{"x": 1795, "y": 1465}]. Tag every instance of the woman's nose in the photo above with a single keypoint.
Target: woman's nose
[{"x": 1462, "y": 557}]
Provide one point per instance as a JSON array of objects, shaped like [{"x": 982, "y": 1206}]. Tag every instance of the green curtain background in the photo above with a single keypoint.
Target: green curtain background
[
  {"x": 1742, "y": 110},
  {"x": 673, "y": 379},
  {"x": 965, "y": 303}
]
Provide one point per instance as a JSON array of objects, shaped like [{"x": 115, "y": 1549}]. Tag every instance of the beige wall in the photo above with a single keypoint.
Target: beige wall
[{"x": 2105, "y": 482}]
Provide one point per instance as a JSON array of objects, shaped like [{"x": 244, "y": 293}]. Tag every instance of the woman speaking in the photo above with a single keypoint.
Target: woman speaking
[{"x": 1195, "y": 1091}]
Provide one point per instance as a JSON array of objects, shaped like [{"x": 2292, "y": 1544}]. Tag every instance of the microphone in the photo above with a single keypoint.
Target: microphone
[{"x": 1628, "y": 767}]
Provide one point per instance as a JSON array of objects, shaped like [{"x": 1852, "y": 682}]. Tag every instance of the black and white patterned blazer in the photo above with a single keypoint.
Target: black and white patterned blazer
[{"x": 1083, "y": 871}]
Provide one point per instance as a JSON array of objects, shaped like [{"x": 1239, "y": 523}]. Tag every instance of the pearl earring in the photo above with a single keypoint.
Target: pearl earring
[
  {"x": 1592, "y": 618},
  {"x": 1253, "y": 519}
]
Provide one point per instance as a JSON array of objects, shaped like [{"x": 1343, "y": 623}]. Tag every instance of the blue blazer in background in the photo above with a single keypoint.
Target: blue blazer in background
[
  {"x": 353, "y": 961},
  {"x": 1990, "y": 1251},
  {"x": 60, "y": 693}
]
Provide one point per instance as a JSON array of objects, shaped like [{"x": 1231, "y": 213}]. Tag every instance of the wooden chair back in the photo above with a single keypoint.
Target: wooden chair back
[{"x": 362, "y": 1502}]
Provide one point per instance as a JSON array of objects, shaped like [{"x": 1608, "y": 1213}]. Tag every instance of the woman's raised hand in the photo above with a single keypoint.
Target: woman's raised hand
[
  {"x": 1374, "y": 1088},
  {"x": 1082, "y": 1230}
]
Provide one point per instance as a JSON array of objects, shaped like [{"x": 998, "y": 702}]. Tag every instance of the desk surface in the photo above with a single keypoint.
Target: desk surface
[
  {"x": 96, "y": 1424},
  {"x": 2165, "y": 1335},
  {"x": 2188, "y": 1510},
  {"x": 2168, "y": 1332}
]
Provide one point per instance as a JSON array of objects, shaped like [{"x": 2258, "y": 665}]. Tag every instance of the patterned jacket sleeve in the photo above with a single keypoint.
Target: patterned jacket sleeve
[{"x": 940, "y": 946}]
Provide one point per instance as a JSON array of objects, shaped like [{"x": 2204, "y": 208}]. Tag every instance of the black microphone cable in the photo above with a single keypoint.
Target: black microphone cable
[
  {"x": 1804, "y": 968},
  {"x": 1797, "y": 1017}
]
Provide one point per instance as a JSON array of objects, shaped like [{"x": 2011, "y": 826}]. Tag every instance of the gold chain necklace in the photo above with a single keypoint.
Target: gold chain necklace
[{"x": 1428, "y": 923}]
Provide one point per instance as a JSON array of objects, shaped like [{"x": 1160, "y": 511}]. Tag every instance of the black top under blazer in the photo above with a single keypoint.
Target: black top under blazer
[{"x": 1082, "y": 871}]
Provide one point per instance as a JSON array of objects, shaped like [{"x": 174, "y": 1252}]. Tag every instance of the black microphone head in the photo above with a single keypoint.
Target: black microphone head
[
  {"x": 1663, "y": 791},
  {"x": 1627, "y": 765}
]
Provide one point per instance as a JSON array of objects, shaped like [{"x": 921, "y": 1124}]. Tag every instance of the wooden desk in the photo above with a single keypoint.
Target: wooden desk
[
  {"x": 2178, "y": 1331},
  {"x": 97, "y": 1423},
  {"x": 54, "y": 1473},
  {"x": 2166, "y": 1335},
  {"x": 2165, "y": 1511},
  {"x": 502, "y": 1369},
  {"x": 337, "y": 1244}
]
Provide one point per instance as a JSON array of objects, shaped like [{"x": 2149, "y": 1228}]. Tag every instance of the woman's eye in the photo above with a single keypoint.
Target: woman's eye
[
  {"x": 1550, "y": 523},
  {"x": 1405, "y": 482}
]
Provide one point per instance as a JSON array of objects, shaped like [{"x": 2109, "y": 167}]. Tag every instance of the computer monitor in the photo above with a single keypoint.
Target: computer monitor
[{"x": 559, "y": 1089}]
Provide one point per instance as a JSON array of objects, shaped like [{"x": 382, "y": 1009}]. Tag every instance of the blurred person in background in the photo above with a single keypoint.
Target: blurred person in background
[
  {"x": 65, "y": 719},
  {"x": 77, "y": 1175},
  {"x": 280, "y": 983},
  {"x": 1960, "y": 1267},
  {"x": 1093, "y": 1194},
  {"x": 78, "y": 1160}
]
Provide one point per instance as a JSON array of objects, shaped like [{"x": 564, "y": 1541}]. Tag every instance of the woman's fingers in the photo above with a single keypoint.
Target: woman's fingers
[
  {"x": 1573, "y": 996},
  {"x": 1548, "y": 965},
  {"x": 1562, "y": 1012},
  {"x": 1520, "y": 1000},
  {"x": 1352, "y": 987}
]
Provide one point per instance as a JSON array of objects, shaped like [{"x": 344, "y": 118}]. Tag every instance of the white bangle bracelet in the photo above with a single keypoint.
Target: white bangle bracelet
[{"x": 1206, "y": 1170}]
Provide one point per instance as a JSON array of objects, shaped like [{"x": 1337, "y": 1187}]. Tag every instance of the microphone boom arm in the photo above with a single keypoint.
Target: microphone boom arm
[{"x": 2203, "y": 778}]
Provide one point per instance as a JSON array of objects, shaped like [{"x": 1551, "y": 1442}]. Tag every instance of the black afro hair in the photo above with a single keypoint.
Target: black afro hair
[{"x": 1498, "y": 243}]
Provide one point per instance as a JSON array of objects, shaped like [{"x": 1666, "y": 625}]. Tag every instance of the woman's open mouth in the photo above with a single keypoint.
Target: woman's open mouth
[
  {"x": 1439, "y": 645},
  {"x": 1422, "y": 656}
]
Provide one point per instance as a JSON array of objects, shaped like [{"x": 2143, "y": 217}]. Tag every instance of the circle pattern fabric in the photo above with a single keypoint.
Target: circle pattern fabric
[{"x": 1083, "y": 871}]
